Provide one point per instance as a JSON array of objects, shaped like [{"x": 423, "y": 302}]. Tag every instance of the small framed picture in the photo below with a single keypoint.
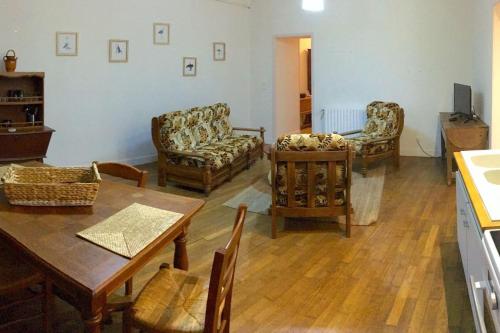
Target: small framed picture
[
  {"x": 66, "y": 44},
  {"x": 118, "y": 50},
  {"x": 219, "y": 51},
  {"x": 189, "y": 66},
  {"x": 161, "y": 33}
]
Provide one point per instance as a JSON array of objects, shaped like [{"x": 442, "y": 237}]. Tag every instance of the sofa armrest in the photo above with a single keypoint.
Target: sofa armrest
[
  {"x": 350, "y": 133},
  {"x": 261, "y": 130},
  {"x": 155, "y": 134},
  {"x": 381, "y": 139},
  {"x": 249, "y": 129}
]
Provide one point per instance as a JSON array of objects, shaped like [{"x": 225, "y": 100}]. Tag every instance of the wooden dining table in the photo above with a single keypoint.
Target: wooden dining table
[{"x": 87, "y": 273}]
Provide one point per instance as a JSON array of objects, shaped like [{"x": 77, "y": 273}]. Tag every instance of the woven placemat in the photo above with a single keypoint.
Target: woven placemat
[{"x": 130, "y": 230}]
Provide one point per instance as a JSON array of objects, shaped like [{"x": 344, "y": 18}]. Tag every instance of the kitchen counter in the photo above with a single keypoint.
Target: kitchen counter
[{"x": 481, "y": 174}]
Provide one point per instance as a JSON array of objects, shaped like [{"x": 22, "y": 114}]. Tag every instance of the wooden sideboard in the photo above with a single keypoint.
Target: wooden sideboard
[
  {"x": 458, "y": 136},
  {"x": 23, "y": 134}
]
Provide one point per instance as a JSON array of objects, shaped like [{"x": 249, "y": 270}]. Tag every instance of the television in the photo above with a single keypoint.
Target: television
[{"x": 462, "y": 99}]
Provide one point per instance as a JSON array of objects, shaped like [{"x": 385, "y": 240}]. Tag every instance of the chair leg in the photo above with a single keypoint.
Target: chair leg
[
  {"x": 208, "y": 189},
  {"x": 47, "y": 307},
  {"x": 348, "y": 224},
  {"x": 396, "y": 159},
  {"x": 364, "y": 167},
  {"x": 127, "y": 327},
  {"x": 274, "y": 227},
  {"x": 129, "y": 287},
  {"x": 162, "y": 178}
]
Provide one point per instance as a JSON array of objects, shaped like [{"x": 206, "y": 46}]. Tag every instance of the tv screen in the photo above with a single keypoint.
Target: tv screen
[{"x": 463, "y": 99}]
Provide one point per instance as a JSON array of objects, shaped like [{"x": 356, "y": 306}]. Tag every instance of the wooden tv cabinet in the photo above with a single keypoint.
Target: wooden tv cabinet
[
  {"x": 23, "y": 134},
  {"x": 458, "y": 136}
]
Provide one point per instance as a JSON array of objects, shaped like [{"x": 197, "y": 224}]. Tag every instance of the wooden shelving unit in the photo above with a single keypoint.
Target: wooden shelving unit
[
  {"x": 305, "y": 113},
  {"x": 23, "y": 137}
]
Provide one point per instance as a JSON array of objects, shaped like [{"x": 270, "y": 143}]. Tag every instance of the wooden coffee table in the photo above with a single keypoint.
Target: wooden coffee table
[{"x": 46, "y": 237}]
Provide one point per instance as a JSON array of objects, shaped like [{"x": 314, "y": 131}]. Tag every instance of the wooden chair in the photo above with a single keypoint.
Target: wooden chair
[
  {"x": 174, "y": 301},
  {"x": 129, "y": 172},
  {"x": 124, "y": 171},
  {"x": 17, "y": 276},
  {"x": 311, "y": 177},
  {"x": 380, "y": 139}
]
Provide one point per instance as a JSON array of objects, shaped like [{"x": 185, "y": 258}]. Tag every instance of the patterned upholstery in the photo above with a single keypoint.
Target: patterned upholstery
[
  {"x": 172, "y": 301},
  {"x": 310, "y": 142},
  {"x": 219, "y": 154},
  {"x": 207, "y": 131},
  {"x": 382, "y": 121}
]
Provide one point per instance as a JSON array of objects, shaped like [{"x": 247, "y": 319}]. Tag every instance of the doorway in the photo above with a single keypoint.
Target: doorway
[
  {"x": 293, "y": 102},
  {"x": 495, "y": 107}
]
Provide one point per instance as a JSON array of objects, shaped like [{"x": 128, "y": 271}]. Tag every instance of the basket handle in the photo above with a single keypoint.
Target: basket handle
[
  {"x": 7, "y": 54},
  {"x": 6, "y": 175},
  {"x": 96, "y": 172}
]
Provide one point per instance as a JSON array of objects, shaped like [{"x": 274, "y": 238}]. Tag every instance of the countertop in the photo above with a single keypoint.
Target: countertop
[{"x": 481, "y": 192}]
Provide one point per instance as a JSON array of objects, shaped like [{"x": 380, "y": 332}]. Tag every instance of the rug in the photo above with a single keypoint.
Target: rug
[{"x": 366, "y": 195}]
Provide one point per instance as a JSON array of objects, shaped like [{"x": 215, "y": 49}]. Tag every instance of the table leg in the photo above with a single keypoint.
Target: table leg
[
  {"x": 449, "y": 166},
  {"x": 93, "y": 323},
  {"x": 92, "y": 313},
  {"x": 181, "y": 260},
  {"x": 443, "y": 147}
]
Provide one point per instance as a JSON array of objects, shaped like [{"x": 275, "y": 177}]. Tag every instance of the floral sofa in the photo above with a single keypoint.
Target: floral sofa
[
  {"x": 198, "y": 147},
  {"x": 319, "y": 184},
  {"x": 381, "y": 135}
]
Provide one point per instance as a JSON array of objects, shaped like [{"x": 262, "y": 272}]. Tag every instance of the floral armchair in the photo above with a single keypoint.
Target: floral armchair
[
  {"x": 311, "y": 177},
  {"x": 380, "y": 139}
]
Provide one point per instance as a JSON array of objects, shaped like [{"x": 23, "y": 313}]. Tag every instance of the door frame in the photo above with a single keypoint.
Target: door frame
[{"x": 313, "y": 76}]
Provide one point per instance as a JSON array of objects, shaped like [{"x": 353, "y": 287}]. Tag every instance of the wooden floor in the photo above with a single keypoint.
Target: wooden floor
[{"x": 401, "y": 275}]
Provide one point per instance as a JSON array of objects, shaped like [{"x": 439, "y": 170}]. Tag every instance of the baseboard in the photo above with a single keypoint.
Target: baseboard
[
  {"x": 140, "y": 160},
  {"x": 418, "y": 152}
]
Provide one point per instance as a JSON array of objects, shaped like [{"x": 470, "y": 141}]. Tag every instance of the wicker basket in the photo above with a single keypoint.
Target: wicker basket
[{"x": 26, "y": 186}]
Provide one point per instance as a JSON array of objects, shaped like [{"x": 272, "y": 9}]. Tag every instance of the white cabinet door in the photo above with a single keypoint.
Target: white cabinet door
[
  {"x": 476, "y": 265},
  {"x": 462, "y": 222}
]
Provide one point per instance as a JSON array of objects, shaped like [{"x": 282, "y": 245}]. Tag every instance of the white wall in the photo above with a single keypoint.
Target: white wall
[
  {"x": 486, "y": 103},
  {"x": 102, "y": 111},
  {"x": 410, "y": 52},
  {"x": 287, "y": 86}
]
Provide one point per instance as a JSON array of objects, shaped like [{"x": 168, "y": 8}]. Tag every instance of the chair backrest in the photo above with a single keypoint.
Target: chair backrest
[
  {"x": 384, "y": 119},
  {"x": 311, "y": 171},
  {"x": 123, "y": 171},
  {"x": 221, "y": 280},
  {"x": 191, "y": 128}
]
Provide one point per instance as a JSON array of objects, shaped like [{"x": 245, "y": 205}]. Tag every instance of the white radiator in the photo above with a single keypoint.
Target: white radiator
[{"x": 342, "y": 120}]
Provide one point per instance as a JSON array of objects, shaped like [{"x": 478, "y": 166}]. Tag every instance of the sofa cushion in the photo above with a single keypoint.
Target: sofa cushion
[
  {"x": 203, "y": 134},
  {"x": 301, "y": 185},
  {"x": 382, "y": 119},
  {"x": 214, "y": 155},
  {"x": 243, "y": 143},
  {"x": 170, "y": 124},
  {"x": 182, "y": 140},
  {"x": 208, "y": 124},
  {"x": 220, "y": 153},
  {"x": 310, "y": 142},
  {"x": 371, "y": 149},
  {"x": 221, "y": 123}
]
